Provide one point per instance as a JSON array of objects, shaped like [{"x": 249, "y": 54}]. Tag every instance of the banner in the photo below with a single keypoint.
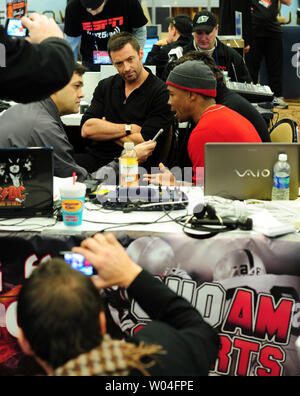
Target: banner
[
  {"x": 247, "y": 287},
  {"x": 16, "y": 8}
]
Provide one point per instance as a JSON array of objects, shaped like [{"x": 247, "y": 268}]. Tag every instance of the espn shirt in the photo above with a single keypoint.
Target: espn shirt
[
  {"x": 264, "y": 18},
  {"x": 117, "y": 16}
]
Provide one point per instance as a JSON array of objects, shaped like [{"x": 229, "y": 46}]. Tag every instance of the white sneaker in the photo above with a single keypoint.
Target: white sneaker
[{"x": 280, "y": 103}]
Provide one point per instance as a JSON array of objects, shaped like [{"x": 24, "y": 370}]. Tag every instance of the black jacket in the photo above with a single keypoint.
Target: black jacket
[
  {"x": 33, "y": 71},
  {"x": 241, "y": 105},
  {"x": 159, "y": 55},
  {"x": 227, "y": 59},
  {"x": 191, "y": 343}
]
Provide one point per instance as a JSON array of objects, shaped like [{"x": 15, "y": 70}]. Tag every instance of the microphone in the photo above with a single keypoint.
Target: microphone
[
  {"x": 243, "y": 223},
  {"x": 175, "y": 54}
]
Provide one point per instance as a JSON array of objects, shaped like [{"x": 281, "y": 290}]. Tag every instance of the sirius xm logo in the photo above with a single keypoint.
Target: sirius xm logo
[
  {"x": 253, "y": 173},
  {"x": 2, "y": 55}
]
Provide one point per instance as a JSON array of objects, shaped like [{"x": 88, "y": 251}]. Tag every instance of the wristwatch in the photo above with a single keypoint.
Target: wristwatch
[{"x": 128, "y": 129}]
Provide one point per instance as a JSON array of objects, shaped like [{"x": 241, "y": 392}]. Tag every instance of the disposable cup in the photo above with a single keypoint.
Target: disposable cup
[{"x": 72, "y": 203}]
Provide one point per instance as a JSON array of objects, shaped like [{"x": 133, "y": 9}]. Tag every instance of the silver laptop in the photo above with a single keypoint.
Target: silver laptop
[{"x": 245, "y": 170}]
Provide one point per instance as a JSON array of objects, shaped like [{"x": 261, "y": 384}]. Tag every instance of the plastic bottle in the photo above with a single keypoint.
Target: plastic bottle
[
  {"x": 128, "y": 163},
  {"x": 281, "y": 179}
]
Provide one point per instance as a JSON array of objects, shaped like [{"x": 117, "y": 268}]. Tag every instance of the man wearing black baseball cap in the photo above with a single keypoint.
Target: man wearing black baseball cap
[
  {"x": 205, "y": 30},
  {"x": 179, "y": 35},
  {"x": 95, "y": 21}
]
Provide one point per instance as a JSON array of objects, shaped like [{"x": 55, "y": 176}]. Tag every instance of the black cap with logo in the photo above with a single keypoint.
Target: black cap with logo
[{"x": 204, "y": 21}]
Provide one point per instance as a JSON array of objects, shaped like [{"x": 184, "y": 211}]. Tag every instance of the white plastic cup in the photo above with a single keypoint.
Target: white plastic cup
[{"x": 72, "y": 203}]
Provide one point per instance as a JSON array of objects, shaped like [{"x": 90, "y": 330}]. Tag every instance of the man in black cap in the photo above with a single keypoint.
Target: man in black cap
[
  {"x": 205, "y": 28},
  {"x": 179, "y": 35},
  {"x": 95, "y": 21}
]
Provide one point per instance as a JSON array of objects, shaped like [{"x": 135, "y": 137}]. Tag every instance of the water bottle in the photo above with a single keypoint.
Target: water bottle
[
  {"x": 128, "y": 165},
  {"x": 281, "y": 179}
]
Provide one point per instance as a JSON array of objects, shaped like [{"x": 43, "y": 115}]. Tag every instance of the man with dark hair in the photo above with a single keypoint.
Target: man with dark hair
[
  {"x": 192, "y": 87},
  {"x": 95, "y": 21},
  {"x": 64, "y": 327},
  {"x": 179, "y": 35},
  {"x": 130, "y": 106},
  {"x": 38, "y": 124},
  {"x": 224, "y": 97},
  {"x": 205, "y": 28},
  {"x": 35, "y": 67}
]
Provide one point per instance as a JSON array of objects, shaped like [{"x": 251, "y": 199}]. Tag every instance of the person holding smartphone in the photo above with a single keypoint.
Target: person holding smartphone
[
  {"x": 64, "y": 327},
  {"x": 34, "y": 67}
]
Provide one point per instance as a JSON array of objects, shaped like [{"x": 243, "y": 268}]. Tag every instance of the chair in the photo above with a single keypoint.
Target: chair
[
  {"x": 285, "y": 130},
  {"x": 168, "y": 152}
]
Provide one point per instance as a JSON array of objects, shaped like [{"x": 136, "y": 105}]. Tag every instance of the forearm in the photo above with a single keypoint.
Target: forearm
[
  {"x": 98, "y": 129},
  {"x": 136, "y": 138},
  {"x": 161, "y": 303}
]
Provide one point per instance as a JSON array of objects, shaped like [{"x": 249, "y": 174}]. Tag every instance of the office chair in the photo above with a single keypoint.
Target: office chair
[
  {"x": 285, "y": 130},
  {"x": 168, "y": 152}
]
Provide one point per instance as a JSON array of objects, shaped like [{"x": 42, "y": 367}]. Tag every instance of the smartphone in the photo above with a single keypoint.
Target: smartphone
[
  {"x": 14, "y": 28},
  {"x": 79, "y": 263},
  {"x": 157, "y": 135}
]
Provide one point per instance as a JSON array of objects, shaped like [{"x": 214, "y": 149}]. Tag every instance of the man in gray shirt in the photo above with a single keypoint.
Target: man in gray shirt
[{"x": 38, "y": 124}]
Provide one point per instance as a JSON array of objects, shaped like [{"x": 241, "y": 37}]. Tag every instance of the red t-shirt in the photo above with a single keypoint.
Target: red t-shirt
[{"x": 219, "y": 124}]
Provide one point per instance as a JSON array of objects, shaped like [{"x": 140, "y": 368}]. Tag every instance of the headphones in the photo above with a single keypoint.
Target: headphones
[{"x": 208, "y": 223}]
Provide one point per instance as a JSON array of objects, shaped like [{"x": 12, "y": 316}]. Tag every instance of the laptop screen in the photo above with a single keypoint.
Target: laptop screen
[
  {"x": 148, "y": 46},
  {"x": 238, "y": 24},
  {"x": 26, "y": 182}
]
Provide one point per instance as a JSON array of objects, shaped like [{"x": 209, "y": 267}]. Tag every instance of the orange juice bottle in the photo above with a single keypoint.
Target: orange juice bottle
[{"x": 128, "y": 165}]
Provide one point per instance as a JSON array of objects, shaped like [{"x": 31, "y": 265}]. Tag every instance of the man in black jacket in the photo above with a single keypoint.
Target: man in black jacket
[
  {"x": 64, "y": 327},
  {"x": 205, "y": 28},
  {"x": 38, "y": 66},
  {"x": 179, "y": 35}
]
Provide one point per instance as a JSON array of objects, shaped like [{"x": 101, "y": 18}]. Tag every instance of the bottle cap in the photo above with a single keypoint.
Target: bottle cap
[
  {"x": 282, "y": 157},
  {"x": 128, "y": 145}
]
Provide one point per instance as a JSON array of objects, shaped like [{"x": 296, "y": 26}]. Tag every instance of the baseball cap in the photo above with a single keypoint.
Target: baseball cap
[
  {"x": 182, "y": 22},
  {"x": 193, "y": 76},
  {"x": 204, "y": 21},
  {"x": 91, "y": 4}
]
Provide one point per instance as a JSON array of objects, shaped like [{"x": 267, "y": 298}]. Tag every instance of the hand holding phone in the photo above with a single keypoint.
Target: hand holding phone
[
  {"x": 157, "y": 135},
  {"x": 15, "y": 28},
  {"x": 78, "y": 262}
]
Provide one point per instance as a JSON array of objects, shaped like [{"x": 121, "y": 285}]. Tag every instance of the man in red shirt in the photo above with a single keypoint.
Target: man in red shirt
[{"x": 192, "y": 90}]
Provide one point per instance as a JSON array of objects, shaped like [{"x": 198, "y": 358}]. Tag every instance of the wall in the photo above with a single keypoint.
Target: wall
[
  {"x": 293, "y": 9},
  {"x": 41, "y": 6}
]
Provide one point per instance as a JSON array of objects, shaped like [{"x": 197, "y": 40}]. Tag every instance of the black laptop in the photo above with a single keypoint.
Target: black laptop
[{"x": 26, "y": 182}]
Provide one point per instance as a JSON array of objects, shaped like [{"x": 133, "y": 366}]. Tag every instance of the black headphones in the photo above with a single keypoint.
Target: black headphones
[{"x": 208, "y": 224}]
